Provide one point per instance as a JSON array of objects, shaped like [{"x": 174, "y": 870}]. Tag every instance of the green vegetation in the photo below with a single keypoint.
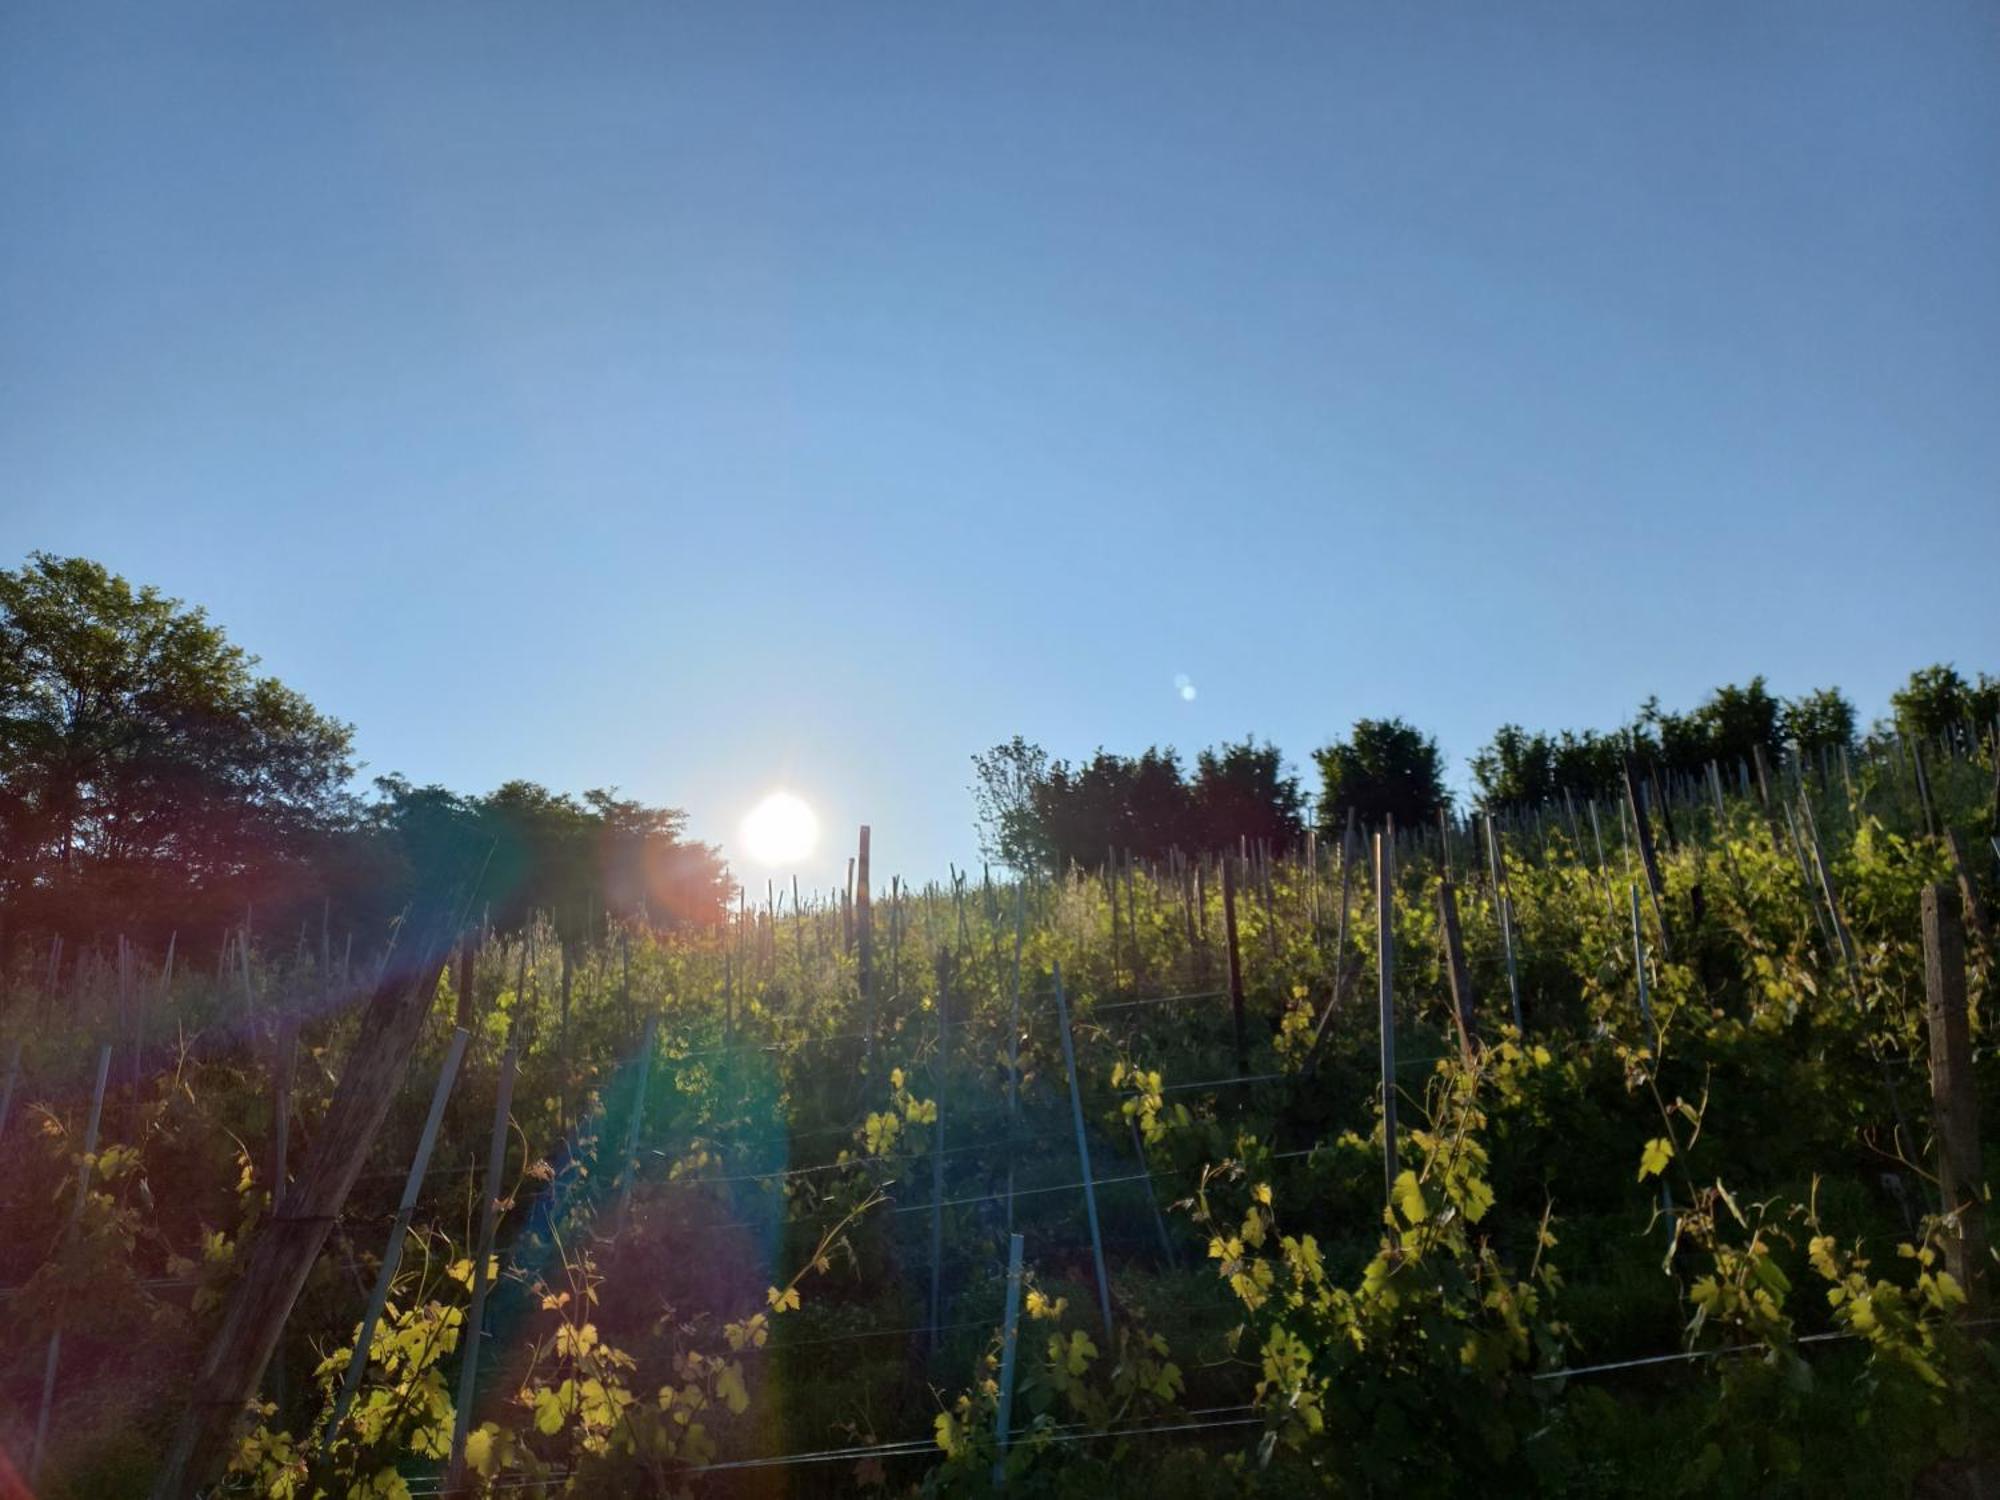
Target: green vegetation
[{"x": 1680, "y": 1231}]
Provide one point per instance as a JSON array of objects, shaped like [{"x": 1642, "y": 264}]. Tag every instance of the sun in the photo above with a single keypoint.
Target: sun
[{"x": 780, "y": 830}]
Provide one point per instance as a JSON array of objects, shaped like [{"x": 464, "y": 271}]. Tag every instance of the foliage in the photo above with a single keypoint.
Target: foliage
[
  {"x": 146, "y": 772},
  {"x": 1385, "y": 768}
]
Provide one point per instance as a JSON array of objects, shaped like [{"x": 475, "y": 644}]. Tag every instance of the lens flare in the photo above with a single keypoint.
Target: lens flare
[{"x": 780, "y": 830}]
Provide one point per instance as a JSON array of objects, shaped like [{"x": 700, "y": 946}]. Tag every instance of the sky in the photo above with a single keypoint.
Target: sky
[{"x": 698, "y": 399}]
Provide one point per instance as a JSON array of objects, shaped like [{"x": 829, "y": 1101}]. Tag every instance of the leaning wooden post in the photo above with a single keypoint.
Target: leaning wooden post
[
  {"x": 392, "y": 1253},
  {"x": 1083, "y": 1154},
  {"x": 1648, "y": 857},
  {"x": 1385, "y": 970},
  {"x": 83, "y": 1170},
  {"x": 1009, "y": 1341},
  {"x": 1954, "y": 1092},
  {"x": 475, "y": 1318},
  {"x": 1235, "y": 964},
  {"x": 286, "y": 1249},
  {"x": 939, "y": 1087},
  {"x": 1456, "y": 970}
]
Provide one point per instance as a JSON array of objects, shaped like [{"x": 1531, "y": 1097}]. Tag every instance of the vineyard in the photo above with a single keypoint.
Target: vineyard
[{"x": 1622, "y": 1146}]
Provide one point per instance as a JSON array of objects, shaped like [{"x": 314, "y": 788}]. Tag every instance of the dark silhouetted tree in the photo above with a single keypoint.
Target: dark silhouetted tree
[
  {"x": 148, "y": 776},
  {"x": 1384, "y": 769},
  {"x": 1241, "y": 791}
]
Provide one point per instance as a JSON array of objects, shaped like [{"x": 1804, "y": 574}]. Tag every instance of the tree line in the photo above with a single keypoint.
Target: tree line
[
  {"x": 1036, "y": 812},
  {"x": 153, "y": 782}
]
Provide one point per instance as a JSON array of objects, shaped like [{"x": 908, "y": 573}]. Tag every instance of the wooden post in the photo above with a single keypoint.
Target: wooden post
[
  {"x": 392, "y": 1253},
  {"x": 1456, "y": 970},
  {"x": 940, "y": 1086},
  {"x": 1954, "y": 1092},
  {"x": 1009, "y": 1341},
  {"x": 1385, "y": 972},
  {"x": 1083, "y": 1154},
  {"x": 475, "y": 1318},
  {"x": 847, "y": 911},
  {"x": 83, "y": 1170},
  {"x": 1235, "y": 965},
  {"x": 864, "y": 929}
]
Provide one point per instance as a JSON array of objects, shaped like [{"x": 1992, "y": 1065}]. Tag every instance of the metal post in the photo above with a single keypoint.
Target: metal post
[
  {"x": 628, "y": 1169},
  {"x": 1385, "y": 947},
  {"x": 392, "y": 1254},
  {"x": 83, "y": 1171},
  {"x": 1010, "y": 1338},
  {"x": 1083, "y": 1155},
  {"x": 475, "y": 1318}
]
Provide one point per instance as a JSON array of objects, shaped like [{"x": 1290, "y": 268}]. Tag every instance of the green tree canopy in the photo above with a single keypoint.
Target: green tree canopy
[
  {"x": 1939, "y": 703},
  {"x": 143, "y": 762},
  {"x": 1385, "y": 768}
]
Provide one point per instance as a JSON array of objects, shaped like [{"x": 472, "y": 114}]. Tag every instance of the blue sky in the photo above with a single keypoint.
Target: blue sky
[{"x": 695, "y": 398}]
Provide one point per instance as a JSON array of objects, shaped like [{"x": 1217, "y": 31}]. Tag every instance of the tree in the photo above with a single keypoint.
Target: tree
[
  {"x": 1161, "y": 807},
  {"x": 1937, "y": 703},
  {"x": 1241, "y": 791},
  {"x": 148, "y": 772},
  {"x": 1822, "y": 720},
  {"x": 1384, "y": 769},
  {"x": 1007, "y": 779},
  {"x": 1517, "y": 769}
]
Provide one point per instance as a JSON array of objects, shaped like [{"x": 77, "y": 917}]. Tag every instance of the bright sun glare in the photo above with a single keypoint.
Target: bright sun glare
[{"x": 780, "y": 830}]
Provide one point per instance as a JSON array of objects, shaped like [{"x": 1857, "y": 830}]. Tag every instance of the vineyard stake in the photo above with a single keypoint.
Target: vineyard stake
[
  {"x": 1235, "y": 964},
  {"x": 1504, "y": 906},
  {"x": 864, "y": 931},
  {"x": 1639, "y": 967},
  {"x": 1968, "y": 889},
  {"x": 1013, "y": 1056},
  {"x": 1826, "y": 889},
  {"x": 475, "y": 1318},
  {"x": 392, "y": 1253},
  {"x": 629, "y": 1168},
  {"x": 1010, "y": 1338},
  {"x": 1343, "y": 977},
  {"x": 1954, "y": 1092},
  {"x": 69, "y": 1234},
  {"x": 1152, "y": 1199},
  {"x": 1642, "y": 827},
  {"x": 1603, "y": 874},
  {"x": 1083, "y": 1155},
  {"x": 938, "y": 1090},
  {"x": 1385, "y": 971},
  {"x": 7, "y": 1090},
  {"x": 1462, "y": 999}
]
